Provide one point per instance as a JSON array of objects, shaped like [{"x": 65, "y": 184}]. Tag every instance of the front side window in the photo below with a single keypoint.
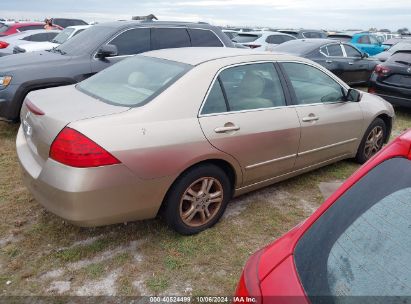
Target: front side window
[
  {"x": 312, "y": 85},
  {"x": 352, "y": 52},
  {"x": 360, "y": 245},
  {"x": 374, "y": 40},
  {"x": 252, "y": 86},
  {"x": 132, "y": 42},
  {"x": 204, "y": 38},
  {"x": 364, "y": 40},
  {"x": 133, "y": 82},
  {"x": 165, "y": 38}
]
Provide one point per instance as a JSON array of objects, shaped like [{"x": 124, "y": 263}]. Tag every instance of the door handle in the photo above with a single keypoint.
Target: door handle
[
  {"x": 350, "y": 63},
  {"x": 310, "y": 118},
  {"x": 329, "y": 61},
  {"x": 226, "y": 129}
]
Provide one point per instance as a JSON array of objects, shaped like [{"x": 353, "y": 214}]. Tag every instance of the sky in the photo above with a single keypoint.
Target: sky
[{"x": 315, "y": 14}]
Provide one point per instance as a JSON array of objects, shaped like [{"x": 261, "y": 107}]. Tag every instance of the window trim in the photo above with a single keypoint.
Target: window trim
[
  {"x": 109, "y": 40},
  {"x": 325, "y": 71},
  {"x": 287, "y": 94}
]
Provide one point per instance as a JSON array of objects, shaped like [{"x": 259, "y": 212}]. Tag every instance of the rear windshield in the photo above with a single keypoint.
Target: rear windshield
[
  {"x": 244, "y": 38},
  {"x": 401, "y": 58},
  {"x": 133, "y": 82},
  {"x": 340, "y": 37},
  {"x": 63, "y": 36},
  {"x": 361, "y": 245},
  {"x": 3, "y": 28}
]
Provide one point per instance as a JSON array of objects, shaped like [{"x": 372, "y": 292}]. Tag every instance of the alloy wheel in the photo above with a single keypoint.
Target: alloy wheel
[{"x": 374, "y": 142}]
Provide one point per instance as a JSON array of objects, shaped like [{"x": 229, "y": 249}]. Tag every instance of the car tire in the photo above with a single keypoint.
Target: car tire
[
  {"x": 372, "y": 141},
  {"x": 197, "y": 199}
]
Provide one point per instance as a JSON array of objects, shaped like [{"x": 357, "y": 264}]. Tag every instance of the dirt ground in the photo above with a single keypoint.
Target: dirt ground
[{"x": 42, "y": 255}]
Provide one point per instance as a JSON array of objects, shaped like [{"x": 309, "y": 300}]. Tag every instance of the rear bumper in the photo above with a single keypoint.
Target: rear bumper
[
  {"x": 395, "y": 95},
  {"x": 93, "y": 196}
]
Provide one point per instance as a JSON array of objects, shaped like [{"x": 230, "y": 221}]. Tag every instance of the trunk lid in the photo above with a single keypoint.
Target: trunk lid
[{"x": 61, "y": 106}]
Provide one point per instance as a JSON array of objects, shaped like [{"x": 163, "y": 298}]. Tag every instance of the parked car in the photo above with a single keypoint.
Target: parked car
[
  {"x": 184, "y": 130},
  {"x": 262, "y": 40},
  {"x": 94, "y": 50},
  {"x": 393, "y": 41},
  {"x": 8, "y": 43},
  {"x": 66, "y": 22},
  {"x": 230, "y": 33},
  {"x": 392, "y": 79},
  {"x": 355, "y": 246},
  {"x": 400, "y": 46},
  {"x": 62, "y": 37},
  {"x": 13, "y": 28},
  {"x": 343, "y": 59},
  {"x": 364, "y": 41},
  {"x": 301, "y": 34}
]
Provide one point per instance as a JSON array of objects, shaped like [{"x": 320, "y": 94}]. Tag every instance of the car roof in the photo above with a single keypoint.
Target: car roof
[
  {"x": 199, "y": 55},
  {"x": 129, "y": 23}
]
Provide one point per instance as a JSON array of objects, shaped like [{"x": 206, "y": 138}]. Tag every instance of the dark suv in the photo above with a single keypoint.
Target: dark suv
[{"x": 92, "y": 51}]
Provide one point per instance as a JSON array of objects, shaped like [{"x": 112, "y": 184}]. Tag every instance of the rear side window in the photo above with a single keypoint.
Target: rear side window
[
  {"x": 334, "y": 50},
  {"x": 204, "y": 38},
  {"x": 132, "y": 42},
  {"x": 215, "y": 102},
  {"x": 313, "y": 35},
  {"x": 360, "y": 245},
  {"x": 165, "y": 38},
  {"x": 252, "y": 86}
]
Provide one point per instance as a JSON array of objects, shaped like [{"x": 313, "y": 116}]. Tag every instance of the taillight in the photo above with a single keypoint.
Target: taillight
[
  {"x": 3, "y": 44},
  {"x": 381, "y": 70},
  {"x": 74, "y": 149},
  {"x": 249, "y": 285},
  {"x": 371, "y": 90},
  {"x": 252, "y": 46}
]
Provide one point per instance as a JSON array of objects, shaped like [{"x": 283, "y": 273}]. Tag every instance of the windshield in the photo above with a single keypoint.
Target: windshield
[
  {"x": 134, "y": 81},
  {"x": 360, "y": 245},
  {"x": 63, "y": 36},
  {"x": 3, "y": 28},
  {"x": 86, "y": 42}
]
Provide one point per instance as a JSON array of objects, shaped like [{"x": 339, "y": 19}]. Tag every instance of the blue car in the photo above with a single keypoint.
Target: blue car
[{"x": 366, "y": 42}]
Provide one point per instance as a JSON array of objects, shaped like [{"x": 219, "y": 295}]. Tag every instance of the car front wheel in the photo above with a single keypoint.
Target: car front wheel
[
  {"x": 197, "y": 199},
  {"x": 372, "y": 141}
]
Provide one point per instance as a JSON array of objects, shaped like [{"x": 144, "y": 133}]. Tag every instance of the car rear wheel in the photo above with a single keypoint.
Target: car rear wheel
[
  {"x": 197, "y": 200},
  {"x": 372, "y": 141}
]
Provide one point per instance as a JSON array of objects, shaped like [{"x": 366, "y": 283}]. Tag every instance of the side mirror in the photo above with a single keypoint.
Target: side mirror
[
  {"x": 108, "y": 50},
  {"x": 365, "y": 55},
  {"x": 353, "y": 95}
]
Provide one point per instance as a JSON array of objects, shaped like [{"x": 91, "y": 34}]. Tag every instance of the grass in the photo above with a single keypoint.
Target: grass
[{"x": 38, "y": 248}]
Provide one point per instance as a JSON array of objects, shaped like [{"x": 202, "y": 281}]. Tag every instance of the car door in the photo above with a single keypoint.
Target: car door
[
  {"x": 330, "y": 127},
  {"x": 245, "y": 114},
  {"x": 332, "y": 57},
  {"x": 357, "y": 67},
  {"x": 129, "y": 42}
]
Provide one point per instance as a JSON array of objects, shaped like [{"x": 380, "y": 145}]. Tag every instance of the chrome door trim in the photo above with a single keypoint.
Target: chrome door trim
[
  {"x": 270, "y": 161},
  {"x": 293, "y": 172},
  {"x": 328, "y": 146}
]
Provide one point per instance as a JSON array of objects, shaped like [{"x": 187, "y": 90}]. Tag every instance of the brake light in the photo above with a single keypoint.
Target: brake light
[
  {"x": 249, "y": 285},
  {"x": 3, "y": 44},
  {"x": 252, "y": 46},
  {"x": 74, "y": 149},
  {"x": 371, "y": 90},
  {"x": 381, "y": 70},
  {"x": 33, "y": 108}
]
